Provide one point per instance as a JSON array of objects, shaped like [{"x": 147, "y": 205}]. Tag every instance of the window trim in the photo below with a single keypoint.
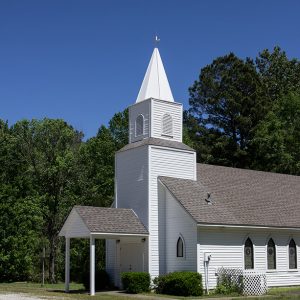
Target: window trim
[
  {"x": 253, "y": 256},
  {"x": 296, "y": 256},
  {"x": 180, "y": 238},
  {"x": 275, "y": 255},
  {"x": 163, "y": 133},
  {"x": 143, "y": 125}
]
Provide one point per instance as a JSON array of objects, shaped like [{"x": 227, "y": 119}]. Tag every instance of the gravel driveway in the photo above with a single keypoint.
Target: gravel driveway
[{"x": 21, "y": 297}]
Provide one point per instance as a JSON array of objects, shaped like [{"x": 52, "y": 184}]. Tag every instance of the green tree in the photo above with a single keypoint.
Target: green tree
[
  {"x": 21, "y": 219},
  {"x": 49, "y": 148},
  {"x": 97, "y": 173},
  {"x": 279, "y": 74},
  {"x": 118, "y": 126},
  {"x": 227, "y": 101},
  {"x": 277, "y": 139}
]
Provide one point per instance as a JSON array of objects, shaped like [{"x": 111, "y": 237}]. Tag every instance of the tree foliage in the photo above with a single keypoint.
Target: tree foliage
[
  {"x": 47, "y": 168},
  {"x": 231, "y": 98},
  {"x": 277, "y": 138}
]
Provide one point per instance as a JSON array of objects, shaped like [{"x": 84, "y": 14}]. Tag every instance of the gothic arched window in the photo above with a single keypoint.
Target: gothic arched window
[
  {"x": 167, "y": 125},
  {"x": 292, "y": 255},
  {"x": 248, "y": 254},
  {"x": 271, "y": 254},
  {"x": 139, "y": 125},
  {"x": 180, "y": 247}
]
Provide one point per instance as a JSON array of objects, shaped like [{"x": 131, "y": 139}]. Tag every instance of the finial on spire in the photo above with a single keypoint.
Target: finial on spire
[{"x": 156, "y": 41}]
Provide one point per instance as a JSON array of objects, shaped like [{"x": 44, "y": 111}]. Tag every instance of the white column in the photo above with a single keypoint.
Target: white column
[
  {"x": 92, "y": 265},
  {"x": 67, "y": 265}
]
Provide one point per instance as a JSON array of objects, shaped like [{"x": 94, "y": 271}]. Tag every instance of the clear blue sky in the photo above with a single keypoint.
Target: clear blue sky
[{"x": 84, "y": 60}]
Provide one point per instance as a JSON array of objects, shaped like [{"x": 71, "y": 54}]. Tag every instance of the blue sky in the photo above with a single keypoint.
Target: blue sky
[{"x": 84, "y": 60}]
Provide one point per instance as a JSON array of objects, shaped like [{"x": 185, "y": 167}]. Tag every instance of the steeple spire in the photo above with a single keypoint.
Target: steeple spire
[{"x": 155, "y": 83}]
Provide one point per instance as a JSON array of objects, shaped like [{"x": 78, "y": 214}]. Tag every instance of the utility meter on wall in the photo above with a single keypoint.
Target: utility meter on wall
[{"x": 207, "y": 256}]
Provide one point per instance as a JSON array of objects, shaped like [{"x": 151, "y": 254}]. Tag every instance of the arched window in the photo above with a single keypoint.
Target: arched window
[
  {"x": 271, "y": 254},
  {"x": 180, "y": 247},
  {"x": 248, "y": 254},
  {"x": 139, "y": 125},
  {"x": 167, "y": 125},
  {"x": 292, "y": 255}
]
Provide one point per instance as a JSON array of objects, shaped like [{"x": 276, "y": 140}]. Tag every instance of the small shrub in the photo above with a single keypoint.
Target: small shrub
[
  {"x": 226, "y": 285},
  {"x": 182, "y": 283},
  {"x": 101, "y": 280},
  {"x": 136, "y": 282}
]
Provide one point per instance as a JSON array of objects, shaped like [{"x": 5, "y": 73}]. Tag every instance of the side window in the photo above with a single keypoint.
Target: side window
[
  {"x": 180, "y": 247},
  {"x": 271, "y": 255},
  {"x": 167, "y": 125},
  {"x": 292, "y": 255},
  {"x": 248, "y": 254},
  {"x": 139, "y": 125}
]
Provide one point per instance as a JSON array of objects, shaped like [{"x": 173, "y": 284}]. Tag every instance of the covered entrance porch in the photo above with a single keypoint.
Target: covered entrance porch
[{"x": 126, "y": 240}]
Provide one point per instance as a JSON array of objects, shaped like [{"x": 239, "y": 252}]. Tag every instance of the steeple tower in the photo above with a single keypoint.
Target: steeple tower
[
  {"x": 155, "y": 149},
  {"x": 155, "y": 83},
  {"x": 155, "y": 114}
]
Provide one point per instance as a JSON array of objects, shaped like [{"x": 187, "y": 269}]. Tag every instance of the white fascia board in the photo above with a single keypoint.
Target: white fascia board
[
  {"x": 247, "y": 226},
  {"x": 116, "y": 235},
  {"x": 171, "y": 149}
]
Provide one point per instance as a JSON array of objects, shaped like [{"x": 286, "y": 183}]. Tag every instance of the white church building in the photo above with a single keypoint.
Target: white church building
[{"x": 172, "y": 214}]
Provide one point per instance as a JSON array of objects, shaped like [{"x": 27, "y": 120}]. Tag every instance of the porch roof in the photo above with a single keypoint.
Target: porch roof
[{"x": 106, "y": 222}]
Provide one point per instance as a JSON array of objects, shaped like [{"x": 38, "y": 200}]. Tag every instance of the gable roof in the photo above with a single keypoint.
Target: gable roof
[
  {"x": 105, "y": 220},
  {"x": 111, "y": 220},
  {"x": 157, "y": 142},
  {"x": 239, "y": 197}
]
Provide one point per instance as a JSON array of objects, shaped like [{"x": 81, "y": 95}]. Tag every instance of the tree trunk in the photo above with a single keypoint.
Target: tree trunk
[{"x": 52, "y": 261}]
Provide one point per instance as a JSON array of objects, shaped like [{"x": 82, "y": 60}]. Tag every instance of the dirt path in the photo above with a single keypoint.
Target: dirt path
[{"x": 23, "y": 297}]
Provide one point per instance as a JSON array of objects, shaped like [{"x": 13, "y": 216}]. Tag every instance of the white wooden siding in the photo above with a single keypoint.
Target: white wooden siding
[
  {"x": 141, "y": 108},
  {"x": 74, "y": 227},
  {"x": 164, "y": 162},
  {"x": 110, "y": 258},
  {"x": 180, "y": 224},
  {"x": 162, "y": 228},
  {"x": 132, "y": 181},
  {"x": 159, "y": 109},
  {"x": 227, "y": 249}
]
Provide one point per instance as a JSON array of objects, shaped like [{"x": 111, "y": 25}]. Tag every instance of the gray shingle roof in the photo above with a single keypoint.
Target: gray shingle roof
[
  {"x": 157, "y": 142},
  {"x": 111, "y": 220},
  {"x": 239, "y": 197}
]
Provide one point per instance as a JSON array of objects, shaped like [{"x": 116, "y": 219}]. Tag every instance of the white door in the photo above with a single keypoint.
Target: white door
[{"x": 132, "y": 257}]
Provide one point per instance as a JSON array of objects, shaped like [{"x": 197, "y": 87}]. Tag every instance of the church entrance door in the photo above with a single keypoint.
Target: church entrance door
[{"x": 132, "y": 257}]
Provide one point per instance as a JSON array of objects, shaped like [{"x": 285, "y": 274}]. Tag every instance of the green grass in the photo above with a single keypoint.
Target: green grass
[
  {"x": 54, "y": 290},
  {"x": 77, "y": 292}
]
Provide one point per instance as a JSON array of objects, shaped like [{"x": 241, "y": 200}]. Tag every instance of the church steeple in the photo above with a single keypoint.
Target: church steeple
[
  {"x": 155, "y": 84},
  {"x": 155, "y": 113}
]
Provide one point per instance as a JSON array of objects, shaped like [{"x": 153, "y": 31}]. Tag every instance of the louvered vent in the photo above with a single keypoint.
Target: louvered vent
[
  {"x": 139, "y": 125},
  {"x": 167, "y": 125}
]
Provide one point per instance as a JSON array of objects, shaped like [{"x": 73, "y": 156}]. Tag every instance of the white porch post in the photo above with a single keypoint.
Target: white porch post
[
  {"x": 92, "y": 265},
  {"x": 67, "y": 265}
]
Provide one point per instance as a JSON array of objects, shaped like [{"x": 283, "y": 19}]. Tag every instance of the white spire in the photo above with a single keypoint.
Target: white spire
[{"x": 155, "y": 83}]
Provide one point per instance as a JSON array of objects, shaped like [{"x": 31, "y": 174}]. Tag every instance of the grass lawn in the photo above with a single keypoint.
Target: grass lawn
[
  {"x": 77, "y": 292},
  {"x": 54, "y": 290}
]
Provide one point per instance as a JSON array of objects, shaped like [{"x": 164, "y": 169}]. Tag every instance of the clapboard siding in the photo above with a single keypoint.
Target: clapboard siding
[
  {"x": 227, "y": 248},
  {"x": 110, "y": 257},
  {"x": 74, "y": 227},
  {"x": 141, "y": 108},
  {"x": 162, "y": 228},
  {"x": 159, "y": 109},
  {"x": 164, "y": 162},
  {"x": 179, "y": 224},
  {"x": 132, "y": 181}
]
